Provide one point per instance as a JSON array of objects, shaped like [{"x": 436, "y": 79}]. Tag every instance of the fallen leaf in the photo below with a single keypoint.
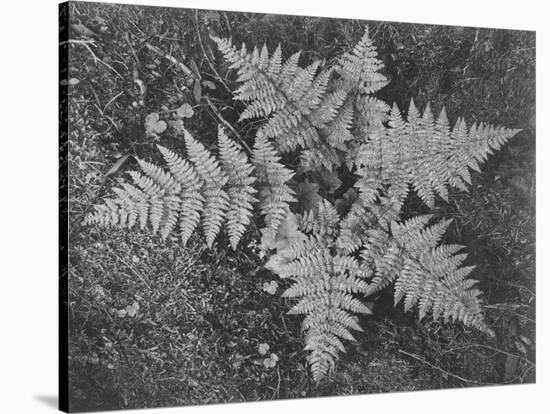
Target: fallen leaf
[
  {"x": 121, "y": 313},
  {"x": 270, "y": 287},
  {"x": 344, "y": 204},
  {"x": 329, "y": 180},
  {"x": 197, "y": 91},
  {"x": 195, "y": 68},
  {"x": 276, "y": 265},
  {"x": 308, "y": 196},
  {"x": 286, "y": 235},
  {"x": 271, "y": 361},
  {"x": 193, "y": 383},
  {"x": 82, "y": 30},
  {"x": 263, "y": 348},
  {"x": 133, "y": 309},
  {"x": 185, "y": 111},
  {"x": 116, "y": 166},
  {"x": 154, "y": 125},
  {"x": 209, "y": 85}
]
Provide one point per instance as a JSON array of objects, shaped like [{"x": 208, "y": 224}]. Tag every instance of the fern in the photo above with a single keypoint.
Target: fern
[
  {"x": 424, "y": 153},
  {"x": 326, "y": 283},
  {"x": 329, "y": 128},
  {"x": 296, "y": 100},
  {"x": 273, "y": 176},
  {"x": 204, "y": 189},
  {"x": 327, "y": 280}
]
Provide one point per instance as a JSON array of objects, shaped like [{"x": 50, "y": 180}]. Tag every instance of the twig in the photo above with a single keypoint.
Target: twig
[
  {"x": 135, "y": 272},
  {"x": 206, "y": 55},
  {"x": 86, "y": 44},
  {"x": 278, "y": 389},
  {"x": 228, "y": 125},
  {"x": 511, "y": 311},
  {"x": 188, "y": 72},
  {"x": 112, "y": 100},
  {"x": 491, "y": 349},
  {"x": 441, "y": 369}
]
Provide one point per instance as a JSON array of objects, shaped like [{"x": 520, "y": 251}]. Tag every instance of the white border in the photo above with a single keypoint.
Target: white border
[{"x": 28, "y": 171}]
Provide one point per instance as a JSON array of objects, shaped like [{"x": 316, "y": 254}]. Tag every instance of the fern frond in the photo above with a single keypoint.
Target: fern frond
[
  {"x": 204, "y": 188},
  {"x": 295, "y": 100},
  {"x": 214, "y": 179},
  {"x": 326, "y": 283},
  {"x": 431, "y": 277},
  {"x": 192, "y": 201},
  {"x": 275, "y": 195},
  {"x": 240, "y": 192},
  {"x": 322, "y": 222},
  {"x": 424, "y": 153},
  {"x": 359, "y": 69}
]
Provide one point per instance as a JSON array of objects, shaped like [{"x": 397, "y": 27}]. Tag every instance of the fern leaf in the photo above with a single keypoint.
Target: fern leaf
[
  {"x": 424, "y": 153},
  {"x": 326, "y": 283},
  {"x": 431, "y": 277},
  {"x": 240, "y": 192},
  {"x": 191, "y": 199},
  {"x": 214, "y": 179},
  {"x": 360, "y": 67},
  {"x": 275, "y": 195}
]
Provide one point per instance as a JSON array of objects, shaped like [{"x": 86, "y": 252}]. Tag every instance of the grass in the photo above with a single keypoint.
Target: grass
[{"x": 157, "y": 324}]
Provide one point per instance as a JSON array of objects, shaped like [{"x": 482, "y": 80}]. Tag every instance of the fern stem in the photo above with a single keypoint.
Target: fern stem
[{"x": 228, "y": 125}]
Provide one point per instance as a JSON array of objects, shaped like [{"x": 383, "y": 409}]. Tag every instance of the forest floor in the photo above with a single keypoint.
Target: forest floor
[{"x": 155, "y": 323}]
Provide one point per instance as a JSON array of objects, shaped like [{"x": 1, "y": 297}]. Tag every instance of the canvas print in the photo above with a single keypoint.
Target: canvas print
[{"x": 264, "y": 207}]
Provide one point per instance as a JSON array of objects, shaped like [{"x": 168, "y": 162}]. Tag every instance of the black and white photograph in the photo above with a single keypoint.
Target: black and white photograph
[
  {"x": 268, "y": 206},
  {"x": 239, "y": 206}
]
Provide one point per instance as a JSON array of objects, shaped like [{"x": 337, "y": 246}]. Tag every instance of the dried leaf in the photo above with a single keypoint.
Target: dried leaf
[
  {"x": 271, "y": 361},
  {"x": 287, "y": 234},
  {"x": 308, "y": 196},
  {"x": 329, "y": 180},
  {"x": 276, "y": 263},
  {"x": 209, "y": 85},
  {"x": 185, "y": 111},
  {"x": 195, "y": 68},
  {"x": 82, "y": 30},
  {"x": 116, "y": 166},
  {"x": 133, "y": 309},
  {"x": 263, "y": 348},
  {"x": 154, "y": 125},
  {"x": 197, "y": 91},
  {"x": 270, "y": 287}
]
